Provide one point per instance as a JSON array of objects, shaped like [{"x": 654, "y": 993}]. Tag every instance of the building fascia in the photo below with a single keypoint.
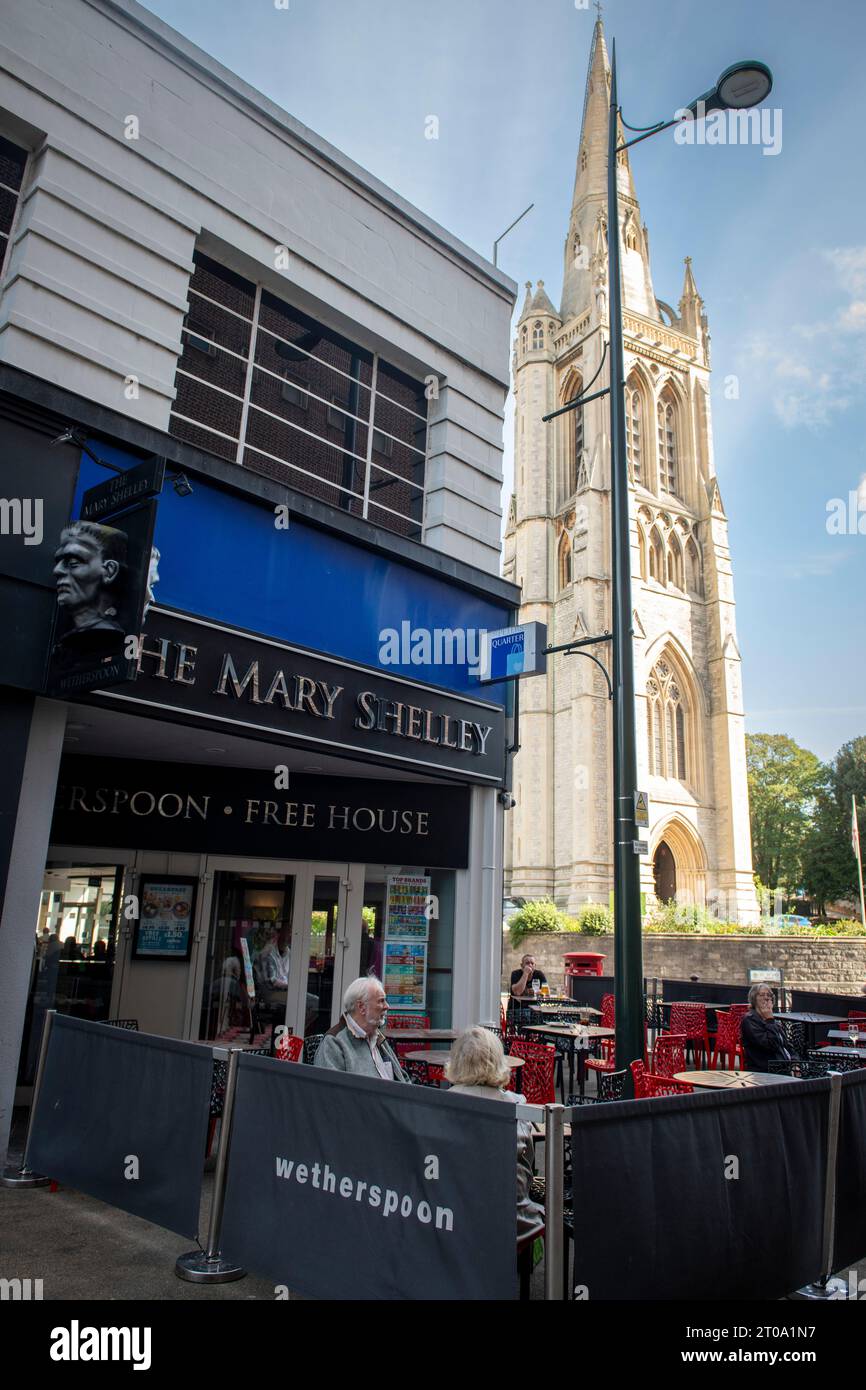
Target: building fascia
[{"x": 68, "y": 408}]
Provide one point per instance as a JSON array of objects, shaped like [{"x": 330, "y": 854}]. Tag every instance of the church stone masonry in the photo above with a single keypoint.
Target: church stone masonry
[{"x": 689, "y": 704}]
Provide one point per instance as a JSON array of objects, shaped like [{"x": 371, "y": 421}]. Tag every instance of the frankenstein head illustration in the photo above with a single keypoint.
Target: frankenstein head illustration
[{"x": 90, "y": 568}]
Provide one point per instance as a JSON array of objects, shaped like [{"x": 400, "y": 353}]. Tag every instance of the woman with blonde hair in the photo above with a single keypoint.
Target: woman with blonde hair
[{"x": 477, "y": 1067}]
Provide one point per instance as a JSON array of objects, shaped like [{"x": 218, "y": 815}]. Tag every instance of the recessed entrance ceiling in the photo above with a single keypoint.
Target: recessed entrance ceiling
[{"x": 109, "y": 733}]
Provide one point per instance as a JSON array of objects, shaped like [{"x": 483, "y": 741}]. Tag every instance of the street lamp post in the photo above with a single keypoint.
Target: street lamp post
[
  {"x": 740, "y": 86},
  {"x": 627, "y": 925}
]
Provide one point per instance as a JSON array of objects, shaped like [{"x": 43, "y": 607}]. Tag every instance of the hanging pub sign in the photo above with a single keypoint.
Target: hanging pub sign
[
  {"x": 123, "y": 489},
  {"x": 103, "y": 575}
]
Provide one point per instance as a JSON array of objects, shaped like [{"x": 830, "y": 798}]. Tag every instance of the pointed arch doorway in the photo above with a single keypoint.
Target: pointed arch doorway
[{"x": 665, "y": 873}]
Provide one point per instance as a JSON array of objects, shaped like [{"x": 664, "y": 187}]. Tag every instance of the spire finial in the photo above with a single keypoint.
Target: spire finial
[{"x": 598, "y": 11}]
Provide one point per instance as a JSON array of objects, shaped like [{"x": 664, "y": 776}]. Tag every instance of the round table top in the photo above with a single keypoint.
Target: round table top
[
  {"x": 438, "y": 1059},
  {"x": 571, "y": 1030},
  {"x": 728, "y": 1080}
]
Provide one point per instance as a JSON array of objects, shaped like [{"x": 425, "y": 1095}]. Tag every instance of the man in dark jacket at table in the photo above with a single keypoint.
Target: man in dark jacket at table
[{"x": 763, "y": 1040}]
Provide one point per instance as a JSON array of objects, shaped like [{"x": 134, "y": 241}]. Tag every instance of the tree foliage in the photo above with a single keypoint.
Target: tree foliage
[
  {"x": 785, "y": 781},
  {"x": 829, "y": 866}
]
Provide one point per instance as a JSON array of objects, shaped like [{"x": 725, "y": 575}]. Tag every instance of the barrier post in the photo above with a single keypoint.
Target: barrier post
[
  {"x": 554, "y": 1179},
  {"x": 24, "y": 1175},
  {"x": 208, "y": 1266},
  {"x": 828, "y": 1286}
]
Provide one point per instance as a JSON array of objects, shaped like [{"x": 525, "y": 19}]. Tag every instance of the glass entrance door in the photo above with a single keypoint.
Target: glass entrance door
[
  {"x": 277, "y": 940},
  {"x": 249, "y": 957}
]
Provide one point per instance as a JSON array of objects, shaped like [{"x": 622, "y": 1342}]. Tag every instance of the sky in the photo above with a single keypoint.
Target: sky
[{"x": 778, "y": 245}]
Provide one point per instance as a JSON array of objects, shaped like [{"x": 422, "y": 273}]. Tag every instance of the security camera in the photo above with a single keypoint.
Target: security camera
[{"x": 507, "y": 801}]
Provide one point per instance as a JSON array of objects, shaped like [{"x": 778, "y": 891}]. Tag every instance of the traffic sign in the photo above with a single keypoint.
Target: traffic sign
[{"x": 641, "y": 810}]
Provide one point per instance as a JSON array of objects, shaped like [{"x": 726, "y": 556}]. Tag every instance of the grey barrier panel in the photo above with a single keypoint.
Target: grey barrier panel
[
  {"x": 850, "y": 1225},
  {"x": 110, "y": 1096},
  {"x": 716, "y": 1195},
  {"x": 344, "y": 1187}
]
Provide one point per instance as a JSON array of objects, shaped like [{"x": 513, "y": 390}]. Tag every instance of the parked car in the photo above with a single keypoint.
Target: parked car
[{"x": 790, "y": 919}]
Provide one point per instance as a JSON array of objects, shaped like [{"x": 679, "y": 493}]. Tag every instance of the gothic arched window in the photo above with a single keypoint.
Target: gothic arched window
[
  {"x": 694, "y": 579},
  {"x": 668, "y": 451},
  {"x": 675, "y": 563},
  {"x": 524, "y": 337},
  {"x": 564, "y": 560},
  {"x": 537, "y": 335},
  {"x": 656, "y": 557},
  {"x": 666, "y": 724},
  {"x": 641, "y": 546},
  {"x": 634, "y": 432},
  {"x": 583, "y": 161}
]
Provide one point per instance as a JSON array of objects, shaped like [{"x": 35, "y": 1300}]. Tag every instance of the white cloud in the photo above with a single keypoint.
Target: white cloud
[{"x": 811, "y": 371}]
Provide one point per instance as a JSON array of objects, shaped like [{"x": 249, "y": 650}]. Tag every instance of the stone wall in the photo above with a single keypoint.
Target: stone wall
[{"x": 835, "y": 965}]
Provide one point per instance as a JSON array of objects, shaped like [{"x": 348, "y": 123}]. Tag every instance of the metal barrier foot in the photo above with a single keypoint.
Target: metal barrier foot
[
  {"x": 828, "y": 1286},
  {"x": 22, "y": 1177},
  {"x": 199, "y": 1268}
]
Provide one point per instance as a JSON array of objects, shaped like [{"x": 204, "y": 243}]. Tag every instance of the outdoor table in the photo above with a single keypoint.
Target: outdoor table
[
  {"x": 732, "y": 1080},
  {"x": 843, "y": 1032},
  {"x": 570, "y": 1031},
  {"x": 440, "y": 1059},
  {"x": 849, "y": 1051},
  {"x": 811, "y": 1022},
  {"x": 570, "y": 1008},
  {"x": 398, "y": 1035}
]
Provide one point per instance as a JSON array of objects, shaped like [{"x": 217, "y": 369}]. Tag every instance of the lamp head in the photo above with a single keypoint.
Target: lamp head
[
  {"x": 741, "y": 86},
  {"x": 744, "y": 84}
]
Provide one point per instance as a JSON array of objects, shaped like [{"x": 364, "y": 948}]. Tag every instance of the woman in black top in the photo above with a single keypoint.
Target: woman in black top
[{"x": 763, "y": 1041}]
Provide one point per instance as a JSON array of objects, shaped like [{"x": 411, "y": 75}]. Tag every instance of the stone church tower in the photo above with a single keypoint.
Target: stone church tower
[{"x": 691, "y": 747}]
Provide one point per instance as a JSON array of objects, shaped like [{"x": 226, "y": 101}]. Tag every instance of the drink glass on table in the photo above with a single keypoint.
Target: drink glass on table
[
  {"x": 853, "y": 1034},
  {"x": 545, "y": 991},
  {"x": 535, "y": 990}
]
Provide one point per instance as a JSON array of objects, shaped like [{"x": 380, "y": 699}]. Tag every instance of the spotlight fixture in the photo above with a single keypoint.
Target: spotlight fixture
[
  {"x": 181, "y": 484},
  {"x": 72, "y": 435}
]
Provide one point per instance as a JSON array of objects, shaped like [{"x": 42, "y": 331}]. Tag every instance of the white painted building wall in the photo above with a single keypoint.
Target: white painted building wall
[{"x": 101, "y": 253}]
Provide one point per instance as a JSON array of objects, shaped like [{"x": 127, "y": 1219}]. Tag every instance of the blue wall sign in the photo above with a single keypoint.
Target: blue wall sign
[{"x": 221, "y": 556}]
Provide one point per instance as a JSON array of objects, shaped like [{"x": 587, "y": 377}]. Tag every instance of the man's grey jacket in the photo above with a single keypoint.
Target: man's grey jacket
[{"x": 340, "y": 1050}]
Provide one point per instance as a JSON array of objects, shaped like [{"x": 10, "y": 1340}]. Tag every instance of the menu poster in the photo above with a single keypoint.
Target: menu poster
[
  {"x": 404, "y": 974},
  {"x": 406, "y": 913},
  {"x": 163, "y": 930}
]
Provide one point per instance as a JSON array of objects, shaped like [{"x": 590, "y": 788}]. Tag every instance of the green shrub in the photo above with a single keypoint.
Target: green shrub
[
  {"x": 593, "y": 919},
  {"x": 540, "y": 915}
]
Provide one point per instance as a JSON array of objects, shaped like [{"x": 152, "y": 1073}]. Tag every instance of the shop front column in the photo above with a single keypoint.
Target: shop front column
[{"x": 31, "y": 744}]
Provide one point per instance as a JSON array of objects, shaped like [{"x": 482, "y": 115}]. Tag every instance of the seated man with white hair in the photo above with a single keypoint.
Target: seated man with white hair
[{"x": 357, "y": 1044}]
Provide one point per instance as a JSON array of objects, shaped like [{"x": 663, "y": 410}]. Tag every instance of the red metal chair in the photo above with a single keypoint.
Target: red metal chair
[
  {"x": 289, "y": 1048},
  {"x": 729, "y": 1044},
  {"x": 638, "y": 1076},
  {"x": 606, "y": 1059},
  {"x": 669, "y": 1054},
  {"x": 608, "y": 1017},
  {"x": 536, "y": 1078},
  {"x": 691, "y": 1019},
  {"x": 667, "y": 1086},
  {"x": 647, "y": 1086},
  {"x": 395, "y": 1022}
]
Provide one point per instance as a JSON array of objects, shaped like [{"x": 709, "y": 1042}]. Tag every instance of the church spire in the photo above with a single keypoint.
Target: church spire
[
  {"x": 589, "y": 200},
  {"x": 691, "y": 304}
]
